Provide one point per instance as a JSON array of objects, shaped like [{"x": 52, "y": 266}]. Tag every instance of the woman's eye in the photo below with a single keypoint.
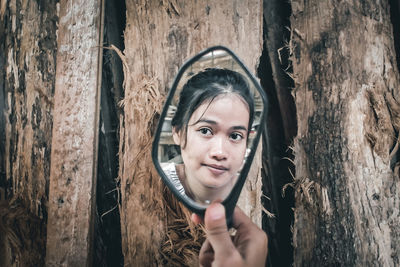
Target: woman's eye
[
  {"x": 205, "y": 131},
  {"x": 236, "y": 136}
]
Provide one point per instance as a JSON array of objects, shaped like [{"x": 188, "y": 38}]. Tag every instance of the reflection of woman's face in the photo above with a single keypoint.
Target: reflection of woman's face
[{"x": 215, "y": 146}]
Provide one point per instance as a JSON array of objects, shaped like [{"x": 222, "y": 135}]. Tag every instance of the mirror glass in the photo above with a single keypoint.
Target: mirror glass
[{"x": 209, "y": 128}]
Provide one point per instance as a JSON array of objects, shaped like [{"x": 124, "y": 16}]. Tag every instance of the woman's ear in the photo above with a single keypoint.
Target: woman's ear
[{"x": 176, "y": 136}]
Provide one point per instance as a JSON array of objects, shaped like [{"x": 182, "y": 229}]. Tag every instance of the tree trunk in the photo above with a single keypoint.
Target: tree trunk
[
  {"x": 347, "y": 98},
  {"x": 28, "y": 41},
  {"x": 27, "y": 76},
  {"x": 159, "y": 36},
  {"x": 75, "y": 132}
]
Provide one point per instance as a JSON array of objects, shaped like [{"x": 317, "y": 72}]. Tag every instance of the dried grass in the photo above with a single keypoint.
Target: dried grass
[
  {"x": 394, "y": 110},
  {"x": 181, "y": 240},
  {"x": 22, "y": 235},
  {"x": 308, "y": 191},
  {"x": 267, "y": 212},
  {"x": 313, "y": 194}
]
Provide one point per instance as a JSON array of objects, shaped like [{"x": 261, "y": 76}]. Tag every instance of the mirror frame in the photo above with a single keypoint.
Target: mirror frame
[{"x": 231, "y": 200}]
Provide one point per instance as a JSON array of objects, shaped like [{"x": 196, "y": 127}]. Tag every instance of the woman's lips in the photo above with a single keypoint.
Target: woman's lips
[{"x": 216, "y": 169}]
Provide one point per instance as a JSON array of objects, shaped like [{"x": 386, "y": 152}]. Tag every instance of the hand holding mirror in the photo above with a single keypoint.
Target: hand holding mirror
[{"x": 209, "y": 130}]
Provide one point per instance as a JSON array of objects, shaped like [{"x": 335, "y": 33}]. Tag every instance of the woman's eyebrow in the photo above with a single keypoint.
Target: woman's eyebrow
[
  {"x": 239, "y": 128},
  {"x": 206, "y": 121}
]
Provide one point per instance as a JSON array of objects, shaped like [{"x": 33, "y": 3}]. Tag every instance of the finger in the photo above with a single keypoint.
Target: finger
[
  {"x": 206, "y": 255},
  {"x": 196, "y": 219},
  {"x": 216, "y": 229},
  {"x": 251, "y": 240},
  {"x": 245, "y": 226},
  {"x": 240, "y": 218}
]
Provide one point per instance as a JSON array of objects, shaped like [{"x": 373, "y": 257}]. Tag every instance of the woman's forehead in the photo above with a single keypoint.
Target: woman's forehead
[{"x": 227, "y": 108}]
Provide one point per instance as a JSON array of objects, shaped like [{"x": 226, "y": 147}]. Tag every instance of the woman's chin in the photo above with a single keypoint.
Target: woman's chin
[{"x": 214, "y": 185}]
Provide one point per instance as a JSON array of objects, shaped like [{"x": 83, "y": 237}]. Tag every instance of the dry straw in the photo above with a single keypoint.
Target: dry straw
[
  {"x": 142, "y": 105},
  {"x": 22, "y": 235}
]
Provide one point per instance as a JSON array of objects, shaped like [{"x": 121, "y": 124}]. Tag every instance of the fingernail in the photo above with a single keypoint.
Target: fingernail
[{"x": 216, "y": 212}]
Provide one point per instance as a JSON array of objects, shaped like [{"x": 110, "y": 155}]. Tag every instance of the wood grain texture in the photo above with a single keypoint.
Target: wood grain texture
[
  {"x": 159, "y": 37},
  {"x": 74, "y": 143},
  {"x": 27, "y": 77},
  {"x": 347, "y": 99},
  {"x": 28, "y": 67}
]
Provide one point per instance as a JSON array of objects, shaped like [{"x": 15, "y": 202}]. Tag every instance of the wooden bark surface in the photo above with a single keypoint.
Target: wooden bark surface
[
  {"x": 27, "y": 75},
  {"x": 159, "y": 36},
  {"x": 28, "y": 47},
  {"x": 74, "y": 143},
  {"x": 347, "y": 98}
]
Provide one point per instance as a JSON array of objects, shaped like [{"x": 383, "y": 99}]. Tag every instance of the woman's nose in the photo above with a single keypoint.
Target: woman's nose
[{"x": 218, "y": 149}]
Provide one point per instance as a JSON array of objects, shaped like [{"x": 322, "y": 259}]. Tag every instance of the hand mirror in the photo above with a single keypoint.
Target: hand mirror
[{"x": 209, "y": 130}]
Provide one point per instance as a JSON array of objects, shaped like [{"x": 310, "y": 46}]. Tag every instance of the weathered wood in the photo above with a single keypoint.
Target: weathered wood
[
  {"x": 159, "y": 36},
  {"x": 74, "y": 143},
  {"x": 27, "y": 76},
  {"x": 27, "y": 64},
  {"x": 347, "y": 99}
]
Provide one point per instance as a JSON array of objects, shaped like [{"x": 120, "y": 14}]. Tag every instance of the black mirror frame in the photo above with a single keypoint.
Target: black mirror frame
[{"x": 231, "y": 200}]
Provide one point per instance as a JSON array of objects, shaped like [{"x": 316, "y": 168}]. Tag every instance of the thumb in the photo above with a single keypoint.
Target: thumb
[{"x": 217, "y": 231}]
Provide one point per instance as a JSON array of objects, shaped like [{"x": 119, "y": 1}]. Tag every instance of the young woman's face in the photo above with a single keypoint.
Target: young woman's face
[{"x": 215, "y": 145}]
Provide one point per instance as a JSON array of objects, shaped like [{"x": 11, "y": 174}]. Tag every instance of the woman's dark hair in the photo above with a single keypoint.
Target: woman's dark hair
[{"x": 206, "y": 86}]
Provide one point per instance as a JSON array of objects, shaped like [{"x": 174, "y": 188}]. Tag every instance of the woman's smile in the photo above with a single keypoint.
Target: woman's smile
[{"x": 215, "y": 169}]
